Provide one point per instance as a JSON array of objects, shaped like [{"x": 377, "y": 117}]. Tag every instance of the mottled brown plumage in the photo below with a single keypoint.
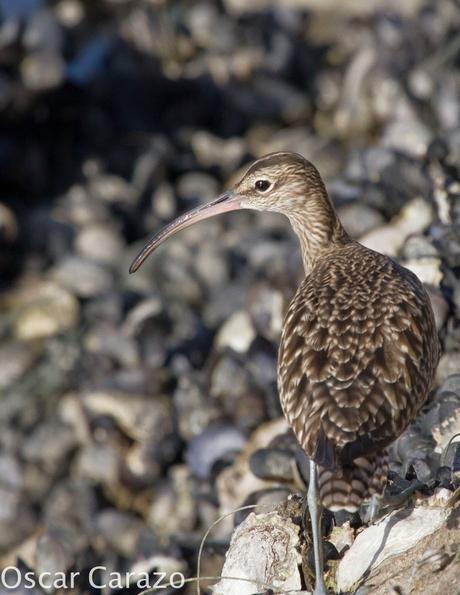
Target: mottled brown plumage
[
  {"x": 359, "y": 347},
  {"x": 357, "y": 358}
]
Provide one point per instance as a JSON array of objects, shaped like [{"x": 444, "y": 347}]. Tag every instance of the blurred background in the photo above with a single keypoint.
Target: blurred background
[{"x": 129, "y": 404}]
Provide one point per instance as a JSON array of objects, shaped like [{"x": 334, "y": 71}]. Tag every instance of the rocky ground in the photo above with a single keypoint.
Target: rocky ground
[{"x": 135, "y": 410}]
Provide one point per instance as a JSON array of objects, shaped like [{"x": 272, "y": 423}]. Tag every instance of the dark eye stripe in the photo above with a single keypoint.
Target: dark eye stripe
[{"x": 262, "y": 185}]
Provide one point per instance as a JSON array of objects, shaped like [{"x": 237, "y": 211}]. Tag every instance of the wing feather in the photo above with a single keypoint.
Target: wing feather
[{"x": 357, "y": 355}]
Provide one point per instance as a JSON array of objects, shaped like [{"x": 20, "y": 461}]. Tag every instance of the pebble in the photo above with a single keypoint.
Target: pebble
[
  {"x": 263, "y": 548},
  {"x": 211, "y": 150},
  {"x": 389, "y": 239},
  {"x": 141, "y": 417},
  {"x": 449, "y": 364},
  {"x": 237, "y": 333},
  {"x": 228, "y": 378},
  {"x": 15, "y": 360},
  {"x": 359, "y": 219},
  {"x": 82, "y": 277},
  {"x": 54, "y": 553},
  {"x": 402, "y": 532},
  {"x": 173, "y": 510},
  {"x": 428, "y": 270},
  {"x": 44, "y": 310},
  {"x": 266, "y": 308},
  {"x": 106, "y": 340},
  {"x": 197, "y": 186},
  {"x": 49, "y": 445},
  {"x": 99, "y": 243},
  {"x": 205, "y": 450},
  {"x": 272, "y": 463},
  {"x": 42, "y": 32},
  {"x": 119, "y": 530},
  {"x": 8, "y": 223},
  {"x": 99, "y": 463},
  {"x": 193, "y": 409},
  {"x": 42, "y": 70},
  {"x": 111, "y": 189},
  {"x": 133, "y": 407}
]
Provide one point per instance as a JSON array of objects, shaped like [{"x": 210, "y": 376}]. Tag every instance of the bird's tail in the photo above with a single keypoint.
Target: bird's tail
[{"x": 346, "y": 488}]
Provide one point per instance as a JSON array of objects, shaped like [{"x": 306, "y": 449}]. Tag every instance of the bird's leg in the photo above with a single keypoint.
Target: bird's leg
[
  {"x": 373, "y": 509},
  {"x": 314, "y": 508}
]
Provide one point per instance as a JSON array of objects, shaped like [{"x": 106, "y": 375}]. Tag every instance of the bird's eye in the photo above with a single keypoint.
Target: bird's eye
[{"x": 262, "y": 185}]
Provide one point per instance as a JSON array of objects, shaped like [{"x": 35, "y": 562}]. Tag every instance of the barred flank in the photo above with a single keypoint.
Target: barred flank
[{"x": 348, "y": 487}]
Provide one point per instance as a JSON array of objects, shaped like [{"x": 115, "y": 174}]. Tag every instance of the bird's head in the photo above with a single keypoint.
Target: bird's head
[{"x": 281, "y": 182}]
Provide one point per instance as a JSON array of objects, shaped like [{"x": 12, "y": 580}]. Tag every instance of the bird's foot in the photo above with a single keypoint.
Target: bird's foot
[{"x": 388, "y": 504}]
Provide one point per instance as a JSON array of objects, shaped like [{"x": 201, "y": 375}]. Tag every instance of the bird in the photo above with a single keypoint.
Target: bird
[{"x": 359, "y": 346}]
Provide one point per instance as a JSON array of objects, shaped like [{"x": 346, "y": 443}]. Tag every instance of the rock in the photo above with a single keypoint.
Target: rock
[
  {"x": 354, "y": 7},
  {"x": 79, "y": 208},
  {"x": 49, "y": 445},
  {"x": 214, "y": 443},
  {"x": 359, "y": 218},
  {"x": 389, "y": 239},
  {"x": 69, "y": 13},
  {"x": 43, "y": 70},
  {"x": 235, "y": 483},
  {"x": 44, "y": 310},
  {"x": 440, "y": 307},
  {"x": 236, "y": 333},
  {"x": 111, "y": 189},
  {"x": 266, "y": 308},
  {"x": 229, "y": 379},
  {"x": 418, "y": 246},
  {"x": 428, "y": 270},
  {"x": 42, "y": 32},
  {"x": 70, "y": 411},
  {"x": 342, "y": 537},
  {"x": 395, "y": 534},
  {"x": 195, "y": 186},
  {"x": 54, "y": 553},
  {"x": 142, "y": 418},
  {"x": 211, "y": 265},
  {"x": 106, "y": 340},
  {"x": 72, "y": 503},
  {"x": 211, "y": 150},
  {"x": 82, "y": 277},
  {"x": 193, "y": 409},
  {"x": 15, "y": 360},
  {"x": 442, "y": 420},
  {"x": 11, "y": 484},
  {"x": 140, "y": 314},
  {"x": 99, "y": 463},
  {"x": 99, "y": 243},
  {"x": 164, "y": 202},
  {"x": 262, "y": 501},
  {"x": 272, "y": 463},
  {"x": 263, "y": 551},
  {"x": 173, "y": 510},
  {"x": 119, "y": 530},
  {"x": 8, "y": 222},
  {"x": 143, "y": 465},
  {"x": 449, "y": 364},
  {"x": 456, "y": 465},
  {"x": 410, "y": 136}
]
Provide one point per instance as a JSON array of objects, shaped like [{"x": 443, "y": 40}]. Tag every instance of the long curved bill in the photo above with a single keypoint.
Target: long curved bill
[{"x": 229, "y": 201}]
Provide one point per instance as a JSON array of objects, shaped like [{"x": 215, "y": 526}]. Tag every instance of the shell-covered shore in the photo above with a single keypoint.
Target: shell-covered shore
[{"x": 137, "y": 409}]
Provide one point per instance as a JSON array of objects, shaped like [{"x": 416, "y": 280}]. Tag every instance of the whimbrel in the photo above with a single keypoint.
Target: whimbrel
[{"x": 358, "y": 348}]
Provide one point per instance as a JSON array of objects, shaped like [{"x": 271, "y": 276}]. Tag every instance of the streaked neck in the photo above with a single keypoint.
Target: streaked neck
[{"x": 318, "y": 228}]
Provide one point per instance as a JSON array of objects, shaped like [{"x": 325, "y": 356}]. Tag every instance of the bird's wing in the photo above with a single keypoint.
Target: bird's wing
[{"x": 357, "y": 356}]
